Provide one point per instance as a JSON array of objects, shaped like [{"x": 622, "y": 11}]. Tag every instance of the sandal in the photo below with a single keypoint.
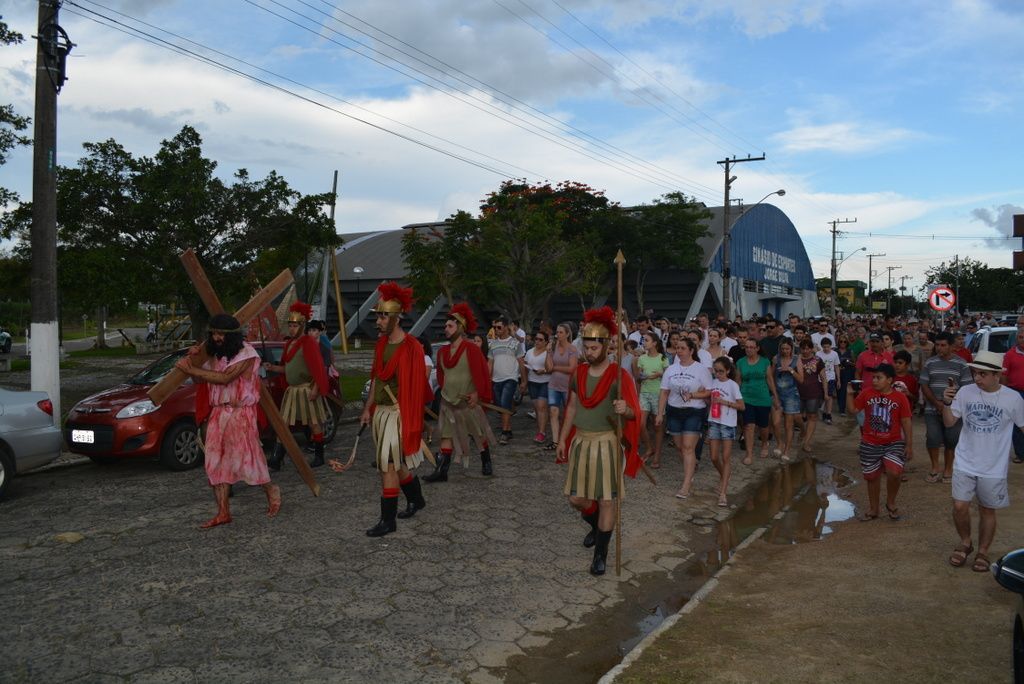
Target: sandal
[
  {"x": 959, "y": 556},
  {"x": 981, "y": 563},
  {"x": 894, "y": 513},
  {"x": 1017, "y": 459},
  {"x": 947, "y": 479},
  {"x": 723, "y": 502},
  {"x": 933, "y": 478}
]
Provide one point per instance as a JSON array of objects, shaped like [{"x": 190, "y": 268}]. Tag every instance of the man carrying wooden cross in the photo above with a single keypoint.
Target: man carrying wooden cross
[
  {"x": 303, "y": 366},
  {"x": 399, "y": 372},
  {"x": 595, "y": 454},
  {"x": 233, "y": 449},
  {"x": 465, "y": 383}
]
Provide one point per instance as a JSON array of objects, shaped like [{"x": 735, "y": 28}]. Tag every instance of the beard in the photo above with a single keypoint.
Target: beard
[
  {"x": 227, "y": 349},
  {"x": 455, "y": 335},
  {"x": 387, "y": 327},
  {"x": 596, "y": 357}
]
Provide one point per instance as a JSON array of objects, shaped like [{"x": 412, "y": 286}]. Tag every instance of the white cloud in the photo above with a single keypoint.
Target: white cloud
[{"x": 845, "y": 137}]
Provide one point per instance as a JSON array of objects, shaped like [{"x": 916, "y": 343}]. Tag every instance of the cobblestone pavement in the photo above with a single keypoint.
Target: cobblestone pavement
[{"x": 104, "y": 575}]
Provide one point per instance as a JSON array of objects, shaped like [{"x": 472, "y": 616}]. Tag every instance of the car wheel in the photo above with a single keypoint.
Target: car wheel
[
  {"x": 102, "y": 460},
  {"x": 180, "y": 447},
  {"x": 6, "y": 470}
]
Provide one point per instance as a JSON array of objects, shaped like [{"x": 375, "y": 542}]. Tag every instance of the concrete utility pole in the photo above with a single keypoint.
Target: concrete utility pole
[
  {"x": 903, "y": 291},
  {"x": 888, "y": 295},
  {"x": 836, "y": 232},
  {"x": 726, "y": 226},
  {"x": 871, "y": 273},
  {"x": 52, "y": 48}
]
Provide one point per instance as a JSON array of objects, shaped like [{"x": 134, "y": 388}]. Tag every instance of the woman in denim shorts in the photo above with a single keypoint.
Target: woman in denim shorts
[
  {"x": 786, "y": 404},
  {"x": 682, "y": 404},
  {"x": 560, "y": 363}
]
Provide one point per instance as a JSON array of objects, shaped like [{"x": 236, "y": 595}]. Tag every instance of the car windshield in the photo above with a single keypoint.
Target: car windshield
[
  {"x": 158, "y": 370},
  {"x": 1000, "y": 342}
]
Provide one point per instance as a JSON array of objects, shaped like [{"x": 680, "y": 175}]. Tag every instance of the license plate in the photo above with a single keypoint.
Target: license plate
[{"x": 83, "y": 436}]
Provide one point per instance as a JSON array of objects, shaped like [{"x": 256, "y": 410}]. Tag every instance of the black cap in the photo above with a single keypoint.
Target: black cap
[
  {"x": 886, "y": 368},
  {"x": 875, "y": 336}
]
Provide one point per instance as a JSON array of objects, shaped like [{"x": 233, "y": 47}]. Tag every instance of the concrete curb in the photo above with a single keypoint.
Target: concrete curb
[{"x": 698, "y": 597}]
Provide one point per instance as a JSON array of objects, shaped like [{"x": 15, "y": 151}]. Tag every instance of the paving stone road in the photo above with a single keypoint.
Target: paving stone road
[{"x": 105, "y": 576}]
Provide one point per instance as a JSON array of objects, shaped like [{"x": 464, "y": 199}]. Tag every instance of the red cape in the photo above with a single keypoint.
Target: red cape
[
  {"x": 413, "y": 390},
  {"x": 311, "y": 355},
  {"x": 477, "y": 367},
  {"x": 631, "y": 427}
]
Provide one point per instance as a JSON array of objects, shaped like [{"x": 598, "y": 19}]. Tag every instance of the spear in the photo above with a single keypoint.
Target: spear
[{"x": 620, "y": 260}]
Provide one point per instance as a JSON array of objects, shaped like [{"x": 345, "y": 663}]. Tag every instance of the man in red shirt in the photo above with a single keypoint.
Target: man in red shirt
[
  {"x": 1013, "y": 377},
  {"x": 886, "y": 438},
  {"x": 871, "y": 358},
  {"x": 960, "y": 350}
]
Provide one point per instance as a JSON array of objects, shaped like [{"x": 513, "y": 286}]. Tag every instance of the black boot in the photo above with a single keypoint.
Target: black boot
[
  {"x": 485, "y": 462},
  {"x": 276, "y": 458},
  {"x": 440, "y": 473},
  {"x": 597, "y": 567},
  {"x": 386, "y": 524},
  {"x": 414, "y": 500},
  {"x": 318, "y": 455},
  {"x": 591, "y": 537}
]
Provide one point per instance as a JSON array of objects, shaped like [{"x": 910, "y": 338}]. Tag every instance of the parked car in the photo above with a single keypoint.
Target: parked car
[
  {"x": 5, "y": 342},
  {"x": 122, "y": 422},
  {"x": 999, "y": 340},
  {"x": 28, "y": 436},
  {"x": 1009, "y": 572}
]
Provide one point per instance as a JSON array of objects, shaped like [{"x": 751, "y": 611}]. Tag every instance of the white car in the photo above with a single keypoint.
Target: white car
[
  {"x": 28, "y": 436},
  {"x": 999, "y": 340}
]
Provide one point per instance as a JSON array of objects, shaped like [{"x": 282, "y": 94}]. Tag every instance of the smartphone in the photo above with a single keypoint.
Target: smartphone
[
  {"x": 950, "y": 382},
  {"x": 856, "y": 385}
]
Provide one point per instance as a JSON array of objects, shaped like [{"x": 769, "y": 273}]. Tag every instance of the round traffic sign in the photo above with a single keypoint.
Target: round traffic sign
[{"x": 942, "y": 299}]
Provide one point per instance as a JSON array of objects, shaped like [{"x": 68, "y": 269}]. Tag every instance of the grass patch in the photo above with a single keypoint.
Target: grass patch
[{"x": 352, "y": 385}]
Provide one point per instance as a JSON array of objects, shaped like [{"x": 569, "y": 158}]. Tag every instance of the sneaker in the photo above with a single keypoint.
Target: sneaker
[
  {"x": 503, "y": 439},
  {"x": 828, "y": 419},
  {"x": 540, "y": 438},
  {"x": 532, "y": 414}
]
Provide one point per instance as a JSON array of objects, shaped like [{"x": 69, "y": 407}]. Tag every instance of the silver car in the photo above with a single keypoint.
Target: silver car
[{"x": 28, "y": 436}]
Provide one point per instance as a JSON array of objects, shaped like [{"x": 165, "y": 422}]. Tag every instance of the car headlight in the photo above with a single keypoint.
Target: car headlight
[{"x": 137, "y": 408}]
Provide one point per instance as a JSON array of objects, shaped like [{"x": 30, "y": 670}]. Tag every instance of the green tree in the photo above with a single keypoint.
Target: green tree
[{"x": 11, "y": 124}]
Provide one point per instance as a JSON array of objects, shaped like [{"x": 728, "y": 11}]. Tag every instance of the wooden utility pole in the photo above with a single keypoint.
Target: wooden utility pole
[
  {"x": 726, "y": 227},
  {"x": 52, "y": 47},
  {"x": 836, "y": 232}
]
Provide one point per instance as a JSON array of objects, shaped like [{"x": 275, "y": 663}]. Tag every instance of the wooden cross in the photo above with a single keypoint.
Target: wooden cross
[{"x": 170, "y": 382}]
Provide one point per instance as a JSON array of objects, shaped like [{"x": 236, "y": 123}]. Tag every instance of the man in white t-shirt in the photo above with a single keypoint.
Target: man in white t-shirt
[
  {"x": 830, "y": 358},
  {"x": 989, "y": 412},
  {"x": 505, "y": 363},
  {"x": 643, "y": 326},
  {"x": 821, "y": 330}
]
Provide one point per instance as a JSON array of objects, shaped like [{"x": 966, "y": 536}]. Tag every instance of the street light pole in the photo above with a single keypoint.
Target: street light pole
[
  {"x": 726, "y": 226},
  {"x": 835, "y": 232},
  {"x": 888, "y": 295}
]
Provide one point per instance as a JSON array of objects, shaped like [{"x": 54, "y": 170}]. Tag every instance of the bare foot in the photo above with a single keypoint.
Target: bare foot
[
  {"x": 655, "y": 465},
  {"x": 806, "y": 448},
  {"x": 749, "y": 460},
  {"x": 273, "y": 500},
  {"x": 219, "y": 519}
]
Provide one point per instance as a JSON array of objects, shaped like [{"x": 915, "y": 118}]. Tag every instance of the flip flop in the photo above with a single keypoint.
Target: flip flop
[
  {"x": 933, "y": 477},
  {"x": 959, "y": 556},
  {"x": 947, "y": 480},
  {"x": 981, "y": 563},
  {"x": 894, "y": 513}
]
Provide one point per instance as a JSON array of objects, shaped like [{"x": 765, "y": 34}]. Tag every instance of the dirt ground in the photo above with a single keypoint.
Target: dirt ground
[{"x": 874, "y": 600}]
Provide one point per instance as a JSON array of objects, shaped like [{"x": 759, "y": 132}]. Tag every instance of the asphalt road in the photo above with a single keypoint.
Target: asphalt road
[{"x": 105, "y": 576}]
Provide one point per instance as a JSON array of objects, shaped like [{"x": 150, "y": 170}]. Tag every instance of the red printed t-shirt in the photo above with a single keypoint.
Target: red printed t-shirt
[
  {"x": 868, "y": 359},
  {"x": 1013, "y": 366},
  {"x": 910, "y": 381},
  {"x": 883, "y": 415}
]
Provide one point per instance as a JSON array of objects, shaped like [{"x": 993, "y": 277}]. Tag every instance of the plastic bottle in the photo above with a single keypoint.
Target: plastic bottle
[{"x": 716, "y": 409}]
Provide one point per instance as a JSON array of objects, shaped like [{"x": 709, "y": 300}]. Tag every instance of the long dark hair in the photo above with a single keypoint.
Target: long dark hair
[{"x": 229, "y": 349}]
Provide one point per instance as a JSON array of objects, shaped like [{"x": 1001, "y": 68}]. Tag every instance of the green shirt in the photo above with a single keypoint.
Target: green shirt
[
  {"x": 458, "y": 381},
  {"x": 651, "y": 364},
  {"x": 595, "y": 419},
  {"x": 379, "y": 395},
  {"x": 856, "y": 347},
  {"x": 755, "y": 381}
]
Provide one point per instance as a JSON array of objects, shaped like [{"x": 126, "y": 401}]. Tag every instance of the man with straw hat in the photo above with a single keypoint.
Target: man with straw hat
[
  {"x": 989, "y": 412},
  {"x": 590, "y": 443}
]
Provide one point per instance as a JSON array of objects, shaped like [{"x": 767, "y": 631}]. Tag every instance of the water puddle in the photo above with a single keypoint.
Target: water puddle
[{"x": 798, "y": 503}]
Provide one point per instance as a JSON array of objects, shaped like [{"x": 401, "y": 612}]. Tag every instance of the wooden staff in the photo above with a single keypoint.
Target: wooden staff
[{"x": 620, "y": 260}]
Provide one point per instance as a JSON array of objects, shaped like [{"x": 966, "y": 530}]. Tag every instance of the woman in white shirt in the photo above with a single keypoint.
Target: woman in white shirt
[
  {"x": 537, "y": 377},
  {"x": 704, "y": 357},
  {"x": 726, "y": 401},
  {"x": 684, "y": 388}
]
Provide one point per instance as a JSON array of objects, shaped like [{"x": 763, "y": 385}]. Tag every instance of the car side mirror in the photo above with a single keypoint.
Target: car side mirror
[{"x": 1009, "y": 571}]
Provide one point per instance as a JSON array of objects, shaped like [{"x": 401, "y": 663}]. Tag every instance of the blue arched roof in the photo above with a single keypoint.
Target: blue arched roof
[{"x": 767, "y": 248}]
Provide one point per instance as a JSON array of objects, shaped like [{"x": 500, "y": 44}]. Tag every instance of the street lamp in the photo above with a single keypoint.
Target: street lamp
[
  {"x": 358, "y": 272},
  {"x": 727, "y": 245},
  {"x": 835, "y": 272}
]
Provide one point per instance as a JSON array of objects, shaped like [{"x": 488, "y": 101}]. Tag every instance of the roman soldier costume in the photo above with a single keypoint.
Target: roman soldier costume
[
  {"x": 464, "y": 381},
  {"x": 591, "y": 444}
]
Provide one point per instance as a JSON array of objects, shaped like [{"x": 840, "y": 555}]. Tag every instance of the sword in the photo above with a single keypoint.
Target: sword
[
  {"x": 492, "y": 407},
  {"x": 337, "y": 465}
]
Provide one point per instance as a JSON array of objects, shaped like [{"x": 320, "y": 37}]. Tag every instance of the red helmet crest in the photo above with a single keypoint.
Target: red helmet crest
[
  {"x": 300, "y": 309},
  {"x": 594, "y": 320},
  {"x": 464, "y": 315},
  {"x": 394, "y": 298}
]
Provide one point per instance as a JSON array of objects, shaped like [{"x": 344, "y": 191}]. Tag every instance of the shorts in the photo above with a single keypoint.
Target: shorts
[
  {"x": 761, "y": 416},
  {"x": 831, "y": 388},
  {"x": 719, "y": 431},
  {"x": 789, "y": 398},
  {"x": 938, "y": 435},
  {"x": 504, "y": 392},
  {"x": 991, "y": 491},
  {"x": 685, "y": 420},
  {"x": 538, "y": 390},
  {"x": 649, "y": 402},
  {"x": 875, "y": 457},
  {"x": 811, "y": 406},
  {"x": 557, "y": 398}
]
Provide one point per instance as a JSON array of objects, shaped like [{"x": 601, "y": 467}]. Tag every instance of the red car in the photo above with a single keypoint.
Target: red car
[{"x": 122, "y": 422}]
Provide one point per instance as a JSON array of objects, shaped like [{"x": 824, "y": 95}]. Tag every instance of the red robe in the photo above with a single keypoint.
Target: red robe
[
  {"x": 631, "y": 427},
  {"x": 413, "y": 390},
  {"x": 477, "y": 367},
  {"x": 311, "y": 355}
]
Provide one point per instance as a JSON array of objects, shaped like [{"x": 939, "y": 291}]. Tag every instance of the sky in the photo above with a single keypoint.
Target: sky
[{"x": 902, "y": 116}]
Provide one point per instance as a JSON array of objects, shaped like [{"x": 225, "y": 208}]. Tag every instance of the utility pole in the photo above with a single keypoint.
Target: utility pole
[
  {"x": 903, "y": 292},
  {"x": 956, "y": 265},
  {"x": 888, "y": 296},
  {"x": 871, "y": 273},
  {"x": 726, "y": 226},
  {"x": 52, "y": 48},
  {"x": 836, "y": 232}
]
